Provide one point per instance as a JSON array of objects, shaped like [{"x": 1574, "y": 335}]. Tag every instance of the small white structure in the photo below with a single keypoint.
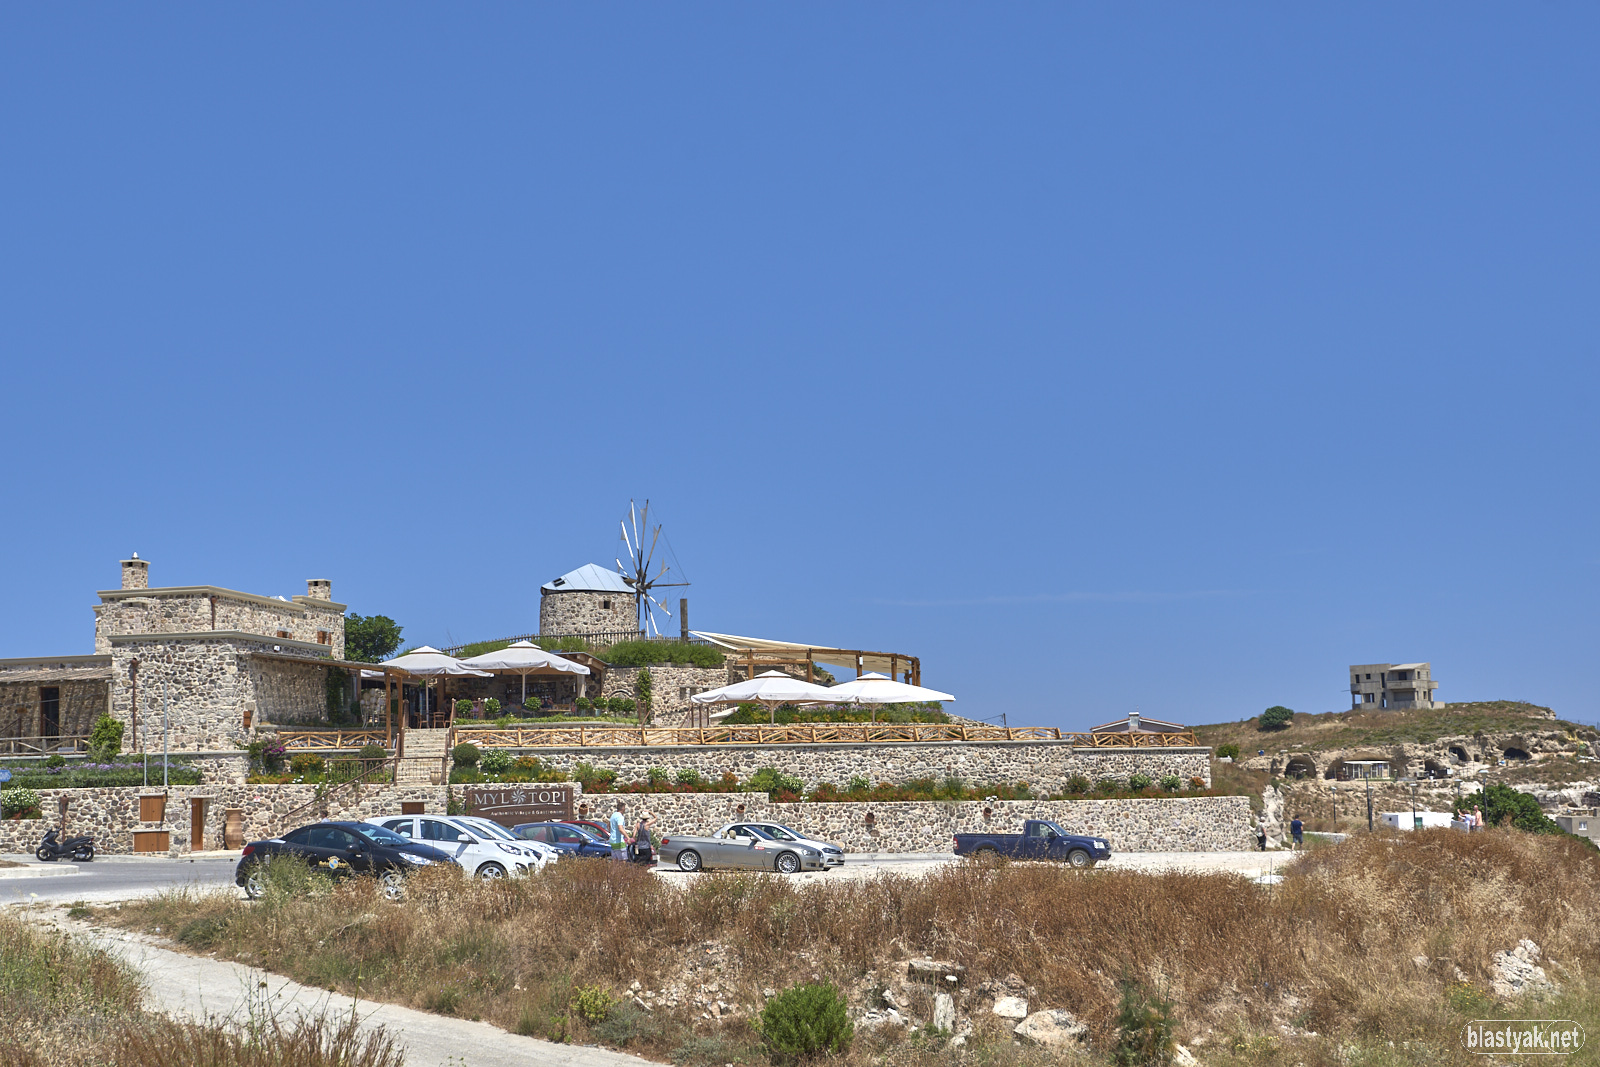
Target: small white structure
[{"x": 1402, "y": 820}]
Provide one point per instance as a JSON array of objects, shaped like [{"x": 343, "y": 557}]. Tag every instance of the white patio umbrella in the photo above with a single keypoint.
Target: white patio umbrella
[
  {"x": 771, "y": 689},
  {"x": 524, "y": 658},
  {"x": 875, "y": 688},
  {"x": 430, "y": 662}
]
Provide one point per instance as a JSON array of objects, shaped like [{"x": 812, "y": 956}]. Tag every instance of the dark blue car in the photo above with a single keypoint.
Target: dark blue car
[{"x": 574, "y": 840}]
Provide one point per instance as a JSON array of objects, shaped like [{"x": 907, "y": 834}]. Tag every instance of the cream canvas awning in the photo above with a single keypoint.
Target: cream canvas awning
[{"x": 849, "y": 659}]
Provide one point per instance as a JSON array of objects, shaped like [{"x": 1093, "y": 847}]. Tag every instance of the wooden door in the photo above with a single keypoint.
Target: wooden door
[{"x": 197, "y": 825}]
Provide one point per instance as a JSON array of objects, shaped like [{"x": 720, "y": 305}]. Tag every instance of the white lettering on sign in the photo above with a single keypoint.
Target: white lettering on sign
[{"x": 511, "y": 805}]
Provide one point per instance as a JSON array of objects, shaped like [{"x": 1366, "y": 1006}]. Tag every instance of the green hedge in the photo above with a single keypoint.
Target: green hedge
[
  {"x": 645, "y": 653},
  {"x": 97, "y": 775}
]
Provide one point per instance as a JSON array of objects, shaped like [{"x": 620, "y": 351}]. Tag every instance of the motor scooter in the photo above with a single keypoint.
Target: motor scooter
[{"x": 53, "y": 848}]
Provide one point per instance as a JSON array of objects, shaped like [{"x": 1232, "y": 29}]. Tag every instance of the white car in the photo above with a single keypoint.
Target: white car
[
  {"x": 832, "y": 855},
  {"x": 546, "y": 853},
  {"x": 478, "y": 854}
]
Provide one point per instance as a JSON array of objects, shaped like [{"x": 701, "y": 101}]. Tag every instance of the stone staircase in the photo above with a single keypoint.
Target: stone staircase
[{"x": 424, "y": 756}]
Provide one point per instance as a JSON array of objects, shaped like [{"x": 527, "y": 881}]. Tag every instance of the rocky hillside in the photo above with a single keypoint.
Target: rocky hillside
[{"x": 1452, "y": 751}]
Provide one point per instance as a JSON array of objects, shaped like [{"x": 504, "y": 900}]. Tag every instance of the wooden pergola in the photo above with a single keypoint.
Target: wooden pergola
[
  {"x": 393, "y": 680},
  {"x": 756, "y": 660}
]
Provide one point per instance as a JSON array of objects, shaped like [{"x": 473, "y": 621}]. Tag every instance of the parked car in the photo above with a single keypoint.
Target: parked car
[
  {"x": 547, "y": 853},
  {"x": 340, "y": 847},
  {"x": 738, "y": 845},
  {"x": 832, "y": 855},
  {"x": 598, "y": 829},
  {"x": 1040, "y": 839},
  {"x": 571, "y": 840},
  {"x": 480, "y": 856}
]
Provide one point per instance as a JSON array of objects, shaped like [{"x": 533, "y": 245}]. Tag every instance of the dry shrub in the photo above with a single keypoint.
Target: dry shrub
[
  {"x": 1330, "y": 950},
  {"x": 66, "y": 1003}
]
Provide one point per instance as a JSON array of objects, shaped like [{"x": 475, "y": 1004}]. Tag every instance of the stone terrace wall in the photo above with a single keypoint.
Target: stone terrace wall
[
  {"x": 1044, "y": 765},
  {"x": 1180, "y": 824},
  {"x": 112, "y": 814},
  {"x": 292, "y": 693}
]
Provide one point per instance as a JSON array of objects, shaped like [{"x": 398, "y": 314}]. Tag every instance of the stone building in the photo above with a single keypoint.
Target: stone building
[
  {"x": 589, "y": 600},
  {"x": 1392, "y": 686},
  {"x": 213, "y": 659}
]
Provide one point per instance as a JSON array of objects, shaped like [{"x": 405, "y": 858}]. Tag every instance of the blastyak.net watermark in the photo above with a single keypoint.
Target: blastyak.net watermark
[{"x": 1522, "y": 1037}]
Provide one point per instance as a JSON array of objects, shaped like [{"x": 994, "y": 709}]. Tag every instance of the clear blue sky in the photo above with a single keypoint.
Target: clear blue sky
[{"x": 1103, "y": 357}]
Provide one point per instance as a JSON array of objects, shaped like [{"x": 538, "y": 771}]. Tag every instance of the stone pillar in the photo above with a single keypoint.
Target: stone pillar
[
  {"x": 319, "y": 588},
  {"x": 136, "y": 573}
]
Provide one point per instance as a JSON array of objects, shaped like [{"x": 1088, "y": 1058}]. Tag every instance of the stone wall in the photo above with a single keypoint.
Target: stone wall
[
  {"x": 582, "y": 611},
  {"x": 81, "y": 703},
  {"x": 211, "y": 681},
  {"x": 112, "y": 814},
  {"x": 206, "y": 609},
  {"x": 1044, "y": 765},
  {"x": 670, "y": 687},
  {"x": 291, "y": 693},
  {"x": 1184, "y": 824}
]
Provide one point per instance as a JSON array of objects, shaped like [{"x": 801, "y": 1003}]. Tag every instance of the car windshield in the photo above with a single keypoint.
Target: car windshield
[
  {"x": 779, "y": 831},
  {"x": 379, "y": 836},
  {"x": 492, "y": 829},
  {"x": 1052, "y": 826}
]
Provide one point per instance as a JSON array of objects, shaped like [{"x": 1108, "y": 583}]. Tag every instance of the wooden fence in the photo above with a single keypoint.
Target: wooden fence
[
  {"x": 43, "y": 746},
  {"x": 332, "y": 740}
]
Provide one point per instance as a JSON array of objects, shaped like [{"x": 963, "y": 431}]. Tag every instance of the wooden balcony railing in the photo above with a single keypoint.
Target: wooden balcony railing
[
  {"x": 332, "y": 740},
  {"x": 43, "y": 746}
]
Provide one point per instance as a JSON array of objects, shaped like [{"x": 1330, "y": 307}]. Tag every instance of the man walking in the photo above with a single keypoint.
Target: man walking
[
  {"x": 619, "y": 834},
  {"x": 1298, "y": 829}
]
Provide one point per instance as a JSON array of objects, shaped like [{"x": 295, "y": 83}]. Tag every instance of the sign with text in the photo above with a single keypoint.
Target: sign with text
[{"x": 510, "y": 805}]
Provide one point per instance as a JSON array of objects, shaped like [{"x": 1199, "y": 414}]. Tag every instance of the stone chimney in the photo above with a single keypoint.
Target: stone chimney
[
  {"x": 319, "y": 588},
  {"x": 136, "y": 573}
]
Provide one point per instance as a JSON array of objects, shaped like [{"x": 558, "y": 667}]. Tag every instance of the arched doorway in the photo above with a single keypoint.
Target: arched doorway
[
  {"x": 1514, "y": 753},
  {"x": 1300, "y": 767}
]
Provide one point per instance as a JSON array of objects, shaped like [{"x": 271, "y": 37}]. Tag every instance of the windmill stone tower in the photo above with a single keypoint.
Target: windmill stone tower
[{"x": 589, "y": 600}]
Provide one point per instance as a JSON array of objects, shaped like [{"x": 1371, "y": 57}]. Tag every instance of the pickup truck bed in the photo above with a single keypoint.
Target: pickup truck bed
[{"x": 1040, "y": 839}]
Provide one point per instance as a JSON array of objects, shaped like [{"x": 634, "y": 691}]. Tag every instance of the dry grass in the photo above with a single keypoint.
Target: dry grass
[
  {"x": 1356, "y": 729},
  {"x": 1330, "y": 951},
  {"x": 63, "y": 1004}
]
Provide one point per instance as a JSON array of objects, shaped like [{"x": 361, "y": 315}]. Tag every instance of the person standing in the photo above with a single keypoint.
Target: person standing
[
  {"x": 1261, "y": 837},
  {"x": 1477, "y": 818},
  {"x": 619, "y": 833},
  {"x": 1297, "y": 829},
  {"x": 643, "y": 842}
]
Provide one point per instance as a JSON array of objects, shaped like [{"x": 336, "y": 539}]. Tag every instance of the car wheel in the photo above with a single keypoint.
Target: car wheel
[
  {"x": 255, "y": 882},
  {"x": 689, "y": 860},
  {"x": 393, "y": 884},
  {"x": 1079, "y": 858},
  {"x": 788, "y": 863},
  {"x": 490, "y": 871}
]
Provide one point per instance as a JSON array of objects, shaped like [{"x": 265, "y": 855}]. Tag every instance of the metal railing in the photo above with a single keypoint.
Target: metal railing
[
  {"x": 597, "y": 639},
  {"x": 43, "y": 746},
  {"x": 806, "y": 733}
]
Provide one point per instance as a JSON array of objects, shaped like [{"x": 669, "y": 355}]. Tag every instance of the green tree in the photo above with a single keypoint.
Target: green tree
[
  {"x": 1276, "y": 717},
  {"x": 370, "y": 638},
  {"x": 1502, "y": 804},
  {"x": 105, "y": 740}
]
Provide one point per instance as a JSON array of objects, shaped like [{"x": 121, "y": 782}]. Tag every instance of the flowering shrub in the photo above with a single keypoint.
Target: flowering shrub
[{"x": 19, "y": 803}]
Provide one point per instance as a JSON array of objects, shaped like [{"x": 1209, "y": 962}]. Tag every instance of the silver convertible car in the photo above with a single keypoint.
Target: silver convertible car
[{"x": 742, "y": 845}]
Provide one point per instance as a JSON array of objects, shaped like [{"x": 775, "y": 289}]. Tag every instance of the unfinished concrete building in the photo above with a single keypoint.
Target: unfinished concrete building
[{"x": 1392, "y": 686}]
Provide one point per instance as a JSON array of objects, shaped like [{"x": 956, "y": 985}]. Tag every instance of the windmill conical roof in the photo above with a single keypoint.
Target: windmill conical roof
[{"x": 589, "y": 578}]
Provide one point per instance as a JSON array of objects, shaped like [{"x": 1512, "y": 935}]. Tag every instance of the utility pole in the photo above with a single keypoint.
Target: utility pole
[
  {"x": 1369, "y": 804},
  {"x": 165, "y": 747}
]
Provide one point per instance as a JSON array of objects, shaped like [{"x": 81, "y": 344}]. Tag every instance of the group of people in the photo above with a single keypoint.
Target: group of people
[
  {"x": 1473, "y": 819},
  {"x": 643, "y": 843}
]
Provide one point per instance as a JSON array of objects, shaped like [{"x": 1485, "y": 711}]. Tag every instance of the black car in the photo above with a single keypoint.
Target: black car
[
  {"x": 573, "y": 840},
  {"x": 340, "y": 848}
]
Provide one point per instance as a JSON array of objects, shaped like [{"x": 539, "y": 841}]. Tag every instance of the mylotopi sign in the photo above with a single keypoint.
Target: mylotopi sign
[{"x": 512, "y": 804}]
